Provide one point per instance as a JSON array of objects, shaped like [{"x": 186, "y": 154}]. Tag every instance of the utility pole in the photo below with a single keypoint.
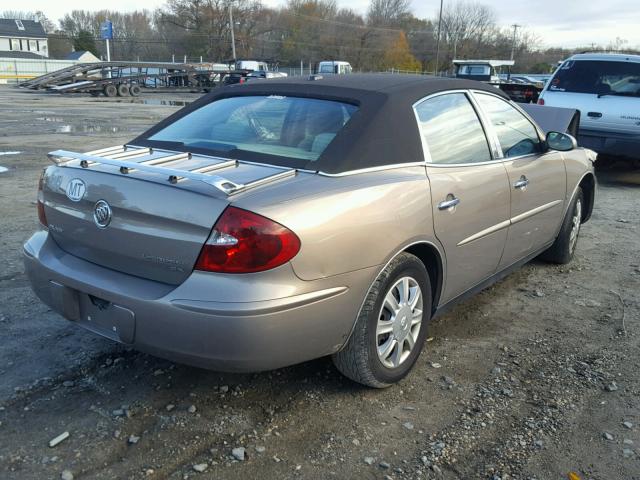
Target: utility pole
[
  {"x": 438, "y": 41},
  {"x": 233, "y": 39},
  {"x": 513, "y": 44}
]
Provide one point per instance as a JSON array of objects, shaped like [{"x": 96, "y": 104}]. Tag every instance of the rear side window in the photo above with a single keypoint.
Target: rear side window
[
  {"x": 516, "y": 134},
  {"x": 452, "y": 131},
  {"x": 290, "y": 127},
  {"x": 597, "y": 77}
]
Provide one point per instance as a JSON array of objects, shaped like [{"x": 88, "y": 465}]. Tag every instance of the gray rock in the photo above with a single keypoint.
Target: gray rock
[
  {"x": 627, "y": 453},
  {"x": 261, "y": 449},
  {"x": 192, "y": 409},
  {"x": 66, "y": 475},
  {"x": 133, "y": 439},
  {"x": 384, "y": 465},
  {"x": 238, "y": 453},
  {"x": 627, "y": 441},
  {"x": 628, "y": 425},
  {"x": 118, "y": 412},
  {"x": 224, "y": 388},
  {"x": 200, "y": 467},
  {"x": 369, "y": 460},
  {"x": 60, "y": 438},
  {"x": 496, "y": 370},
  {"x": 448, "y": 380},
  {"x": 539, "y": 443},
  {"x": 170, "y": 407},
  {"x": 68, "y": 384},
  {"x": 437, "y": 470},
  {"x": 408, "y": 425},
  {"x": 607, "y": 436},
  {"x": 612, "y": 387}
]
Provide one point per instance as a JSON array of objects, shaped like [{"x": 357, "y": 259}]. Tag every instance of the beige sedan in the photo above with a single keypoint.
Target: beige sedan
[{"x": 288, "y": 219}]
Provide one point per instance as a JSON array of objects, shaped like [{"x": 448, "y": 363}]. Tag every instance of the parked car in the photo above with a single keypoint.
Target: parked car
[
  {"x": 252, "y": 65},
  {"x": 261, "y": 74},
  {"x": 606, "y": 90},
  {"x": 282, "y": 221},
  {"x": 337, "y": 67}
]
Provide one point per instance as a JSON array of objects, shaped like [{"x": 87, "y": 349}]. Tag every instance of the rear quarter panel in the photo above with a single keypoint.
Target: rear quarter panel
[{"x": 351, "y": 222}]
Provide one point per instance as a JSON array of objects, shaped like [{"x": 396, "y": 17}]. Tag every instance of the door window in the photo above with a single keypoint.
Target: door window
[
  {"x": 452, "y": 131},
  {"x": 516, "y": 134}
]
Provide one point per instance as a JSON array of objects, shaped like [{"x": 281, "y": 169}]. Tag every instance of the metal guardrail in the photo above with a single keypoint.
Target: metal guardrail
[{"x": 120, "y": 156}]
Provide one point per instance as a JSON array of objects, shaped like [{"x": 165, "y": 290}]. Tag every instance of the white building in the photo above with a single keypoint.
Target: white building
[{"x": 22, "y": 38}]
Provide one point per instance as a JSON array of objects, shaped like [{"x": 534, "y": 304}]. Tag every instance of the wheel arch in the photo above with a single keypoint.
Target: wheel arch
[
  {"x": 431, "y": 257},
  {"x": 432, "y": 261},
  {"x": 588, "y": 186}
]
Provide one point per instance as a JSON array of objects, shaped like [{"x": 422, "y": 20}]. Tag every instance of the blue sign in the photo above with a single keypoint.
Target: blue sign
[{"x": 106, "y": 30}]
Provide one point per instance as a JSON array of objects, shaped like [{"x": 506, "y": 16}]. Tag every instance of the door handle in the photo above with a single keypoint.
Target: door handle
[
  {"x": 450, "y": 202},
  {"x": 522, "y": 183}
]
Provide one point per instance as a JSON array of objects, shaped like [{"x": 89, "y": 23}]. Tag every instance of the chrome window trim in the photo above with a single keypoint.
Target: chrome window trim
[
  {"x": 486, "y": 127},
  {"x": 371, "y": 169},
  {"x": 541, "y": 135}
]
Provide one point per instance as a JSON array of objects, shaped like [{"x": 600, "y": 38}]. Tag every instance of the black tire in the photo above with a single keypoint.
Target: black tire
[
  {"x": 358, "y": 359},
  {"x": 563, "y": 247},
  {"x": 94, "y": 93},
  {"x": 134, "y": 90},
  {"x": 123, "y": 90},
  {"x": 110, "y": 91}
]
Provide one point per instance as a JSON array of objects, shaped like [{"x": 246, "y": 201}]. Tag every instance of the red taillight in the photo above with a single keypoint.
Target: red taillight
[
  {"x": 541, "y": 101},
  {"x": 40, "y": 203},
  {"x": 244, "y": 242}
]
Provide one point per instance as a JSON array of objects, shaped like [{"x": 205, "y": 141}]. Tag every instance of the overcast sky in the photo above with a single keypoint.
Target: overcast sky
[{"x": 567, "y": 23}]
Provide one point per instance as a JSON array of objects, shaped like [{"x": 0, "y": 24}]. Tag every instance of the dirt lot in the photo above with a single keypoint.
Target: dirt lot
[{"x": 532, "y": 379}]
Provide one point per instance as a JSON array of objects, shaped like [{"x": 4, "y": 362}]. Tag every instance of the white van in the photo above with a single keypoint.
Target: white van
[
  {"x": 337, "y": 67},
  {"x": 605, "y": 88},
  {"x": 252, "y": 65}
]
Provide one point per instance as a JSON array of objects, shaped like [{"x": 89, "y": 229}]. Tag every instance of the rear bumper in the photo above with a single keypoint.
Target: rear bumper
[
  {"x": 610, "y": 143},
  {"x": 203, "y": 321}
]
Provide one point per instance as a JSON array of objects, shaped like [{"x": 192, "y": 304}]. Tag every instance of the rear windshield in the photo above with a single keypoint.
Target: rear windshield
[
  {"x": 290, "y": 127},
  {"x": 597, "y": 77}
]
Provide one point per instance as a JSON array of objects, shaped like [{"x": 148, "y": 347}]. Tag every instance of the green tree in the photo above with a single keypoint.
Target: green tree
[{"x": 85, "y": 41}]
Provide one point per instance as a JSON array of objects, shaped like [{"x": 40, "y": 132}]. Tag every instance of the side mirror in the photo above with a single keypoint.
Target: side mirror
[{"x": 562, "y": 142}]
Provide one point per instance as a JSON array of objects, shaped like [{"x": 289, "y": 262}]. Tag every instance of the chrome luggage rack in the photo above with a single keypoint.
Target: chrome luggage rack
[{"x": 121, "y": 156}]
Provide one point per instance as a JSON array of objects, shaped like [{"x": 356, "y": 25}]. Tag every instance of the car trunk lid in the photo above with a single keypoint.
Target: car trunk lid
[{"x": 141, "y": 222}]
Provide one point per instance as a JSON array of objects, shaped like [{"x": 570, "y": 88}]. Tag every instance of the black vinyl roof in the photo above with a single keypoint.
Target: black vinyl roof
[{"x": 383, "y": 131}]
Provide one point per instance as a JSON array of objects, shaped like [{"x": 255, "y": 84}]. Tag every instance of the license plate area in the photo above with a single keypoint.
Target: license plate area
[{"x": 94, "y": 313}]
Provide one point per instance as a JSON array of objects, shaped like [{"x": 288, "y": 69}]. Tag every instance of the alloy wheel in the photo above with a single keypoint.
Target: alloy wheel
[{"x": 399, "y": 322}]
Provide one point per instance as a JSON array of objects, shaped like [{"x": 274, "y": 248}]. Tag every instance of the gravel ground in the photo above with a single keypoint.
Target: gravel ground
[{"x": 534, "y": 378}]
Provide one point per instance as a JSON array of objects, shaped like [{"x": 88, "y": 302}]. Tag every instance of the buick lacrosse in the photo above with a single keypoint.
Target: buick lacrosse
[{"x": 280, "y": 221}]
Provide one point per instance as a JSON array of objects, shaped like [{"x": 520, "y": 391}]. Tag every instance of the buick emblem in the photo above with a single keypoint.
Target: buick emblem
[
  {"x": 101, "y": 213},
  {"x": 76, "y": 190}
]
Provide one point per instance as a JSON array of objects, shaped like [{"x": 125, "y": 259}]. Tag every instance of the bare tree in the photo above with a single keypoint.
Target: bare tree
[
  {"x": 467, "y": 28},
  {"x": 388, "y": 12}
]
